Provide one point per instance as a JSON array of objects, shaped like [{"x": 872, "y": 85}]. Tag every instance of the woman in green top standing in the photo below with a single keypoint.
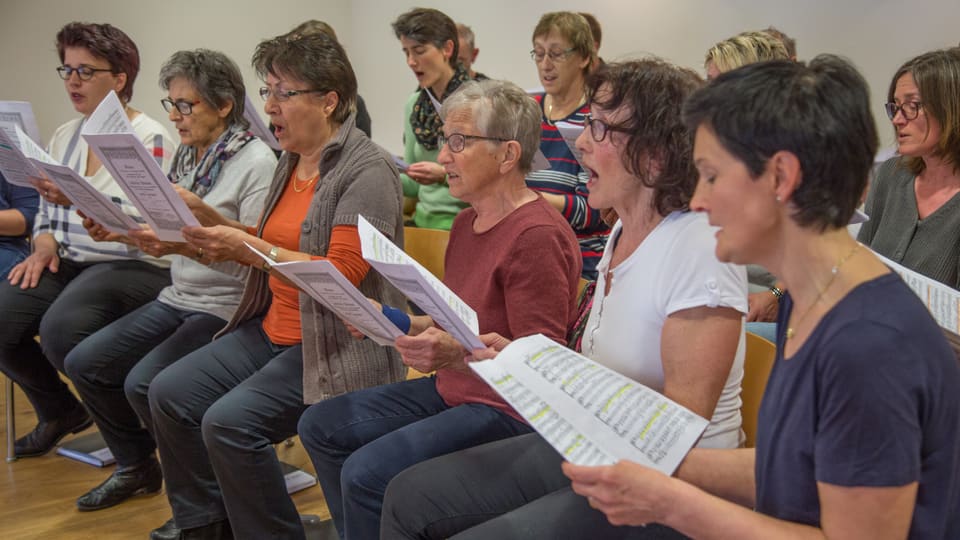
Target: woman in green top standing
[{"x": 429, "y": 41}]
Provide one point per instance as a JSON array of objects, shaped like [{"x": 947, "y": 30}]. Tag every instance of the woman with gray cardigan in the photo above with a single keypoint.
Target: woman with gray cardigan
[
  {"x": 217, "y": 410},
  {"x": 220, "y": 163}
]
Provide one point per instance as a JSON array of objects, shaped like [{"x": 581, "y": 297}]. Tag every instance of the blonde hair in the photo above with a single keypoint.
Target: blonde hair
[{"x": 745, "y": 48}]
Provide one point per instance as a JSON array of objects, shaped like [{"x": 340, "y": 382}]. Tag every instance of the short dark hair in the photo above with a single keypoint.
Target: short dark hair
[
  {"x": 312, "y": 26},
  {"x": 818, "y": 112},
  {"x": 653, "y": 91},
  {"x": 937, "y": 74},
  {"x": 215, "y": 77},
  {"x": 425, "y": 25},
  {"x": 107, "y": 42},
  {"x": 316, "y": 59}
]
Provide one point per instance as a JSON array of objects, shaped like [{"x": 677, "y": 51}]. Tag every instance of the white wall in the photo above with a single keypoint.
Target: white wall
[{"x": 878, "y": 35}]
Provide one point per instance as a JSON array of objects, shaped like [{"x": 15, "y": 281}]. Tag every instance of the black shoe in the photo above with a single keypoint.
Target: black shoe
[
  {"x": 218, "y": 530},
  {"x": 47, "y": 434},
  {"x": 145, "y": 477},
  {"x": 167, "y": 531}
]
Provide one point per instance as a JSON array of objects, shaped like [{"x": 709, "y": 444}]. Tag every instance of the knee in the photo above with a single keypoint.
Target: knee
[
  {"x": 404, "y": 499},
  {"x": 364, "y": 473},
  {"x": 312, "y": 430},
  {"x": 163, "y": 395},
  {"x": 225, "y": 426},
  {"x": 57, "y": 337},
  {"x": 135, "y": 389}
]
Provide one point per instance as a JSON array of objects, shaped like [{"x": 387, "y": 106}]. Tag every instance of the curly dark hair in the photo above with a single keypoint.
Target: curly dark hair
[
  {"x": 107, "y": 42},
  {"x": 653, "y": 91}
]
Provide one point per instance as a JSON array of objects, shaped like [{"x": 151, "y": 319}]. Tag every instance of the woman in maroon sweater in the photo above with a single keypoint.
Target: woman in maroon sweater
[{"x": 512, "y": 258}]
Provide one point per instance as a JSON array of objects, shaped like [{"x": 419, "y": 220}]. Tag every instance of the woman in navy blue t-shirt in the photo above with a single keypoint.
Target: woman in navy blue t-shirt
[{"x": 859, "y": 429}]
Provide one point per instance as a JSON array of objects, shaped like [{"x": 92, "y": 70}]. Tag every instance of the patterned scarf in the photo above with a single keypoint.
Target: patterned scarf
[
  {"x": 425, "y": 119},
  {"x": 207, "y": 169}
]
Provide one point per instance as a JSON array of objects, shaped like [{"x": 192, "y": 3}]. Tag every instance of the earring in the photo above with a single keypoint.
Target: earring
[{"x": 778, "y": 198}]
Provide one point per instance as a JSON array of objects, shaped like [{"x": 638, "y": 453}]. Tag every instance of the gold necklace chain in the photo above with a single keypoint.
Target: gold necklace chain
[
  {"x": 833, "y": 276},
  {"x": 583, "y": 99},
  {"x": 308, "y": 181}
]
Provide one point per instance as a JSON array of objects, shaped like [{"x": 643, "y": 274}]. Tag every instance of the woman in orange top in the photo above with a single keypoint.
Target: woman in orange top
[{"x": 217, "y": 411}]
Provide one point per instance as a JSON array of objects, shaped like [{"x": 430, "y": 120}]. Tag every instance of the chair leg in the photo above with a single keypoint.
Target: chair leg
[{"x": 11, "y": 421}]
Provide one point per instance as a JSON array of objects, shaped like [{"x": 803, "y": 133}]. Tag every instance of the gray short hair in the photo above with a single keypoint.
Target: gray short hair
[
  {"x": 214, "y": 75},
  {"x": 501, "y": 109}
]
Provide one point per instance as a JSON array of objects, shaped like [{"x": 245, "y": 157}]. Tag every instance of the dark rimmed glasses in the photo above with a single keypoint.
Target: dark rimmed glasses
[
  {"x": 910, "y": 109},
  {"x": 184, "y": 107},
  {"x": 457, "y": 141},
  {"x": 599, "y": 128},
  {"x": 84, "y": 72}
]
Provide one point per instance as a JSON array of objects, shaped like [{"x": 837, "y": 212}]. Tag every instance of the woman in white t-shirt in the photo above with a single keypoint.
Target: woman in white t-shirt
[{"x": 666, "y": 313}]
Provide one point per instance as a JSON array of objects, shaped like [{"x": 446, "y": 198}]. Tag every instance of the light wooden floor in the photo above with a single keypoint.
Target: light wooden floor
[{"x": 37, "y": 495}]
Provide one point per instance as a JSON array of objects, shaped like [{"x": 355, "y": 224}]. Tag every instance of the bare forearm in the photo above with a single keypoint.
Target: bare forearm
[
  {"x": 46, "y": 242},
  {"x": 728, "y": 474},
  {"x": 12, "y": 223}
]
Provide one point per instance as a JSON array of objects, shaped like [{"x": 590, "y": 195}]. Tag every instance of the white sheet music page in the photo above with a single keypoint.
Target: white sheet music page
[
  {"x": 325, "y": 284},
  {"x": 21, "y": 113},
  {"x": 422, "y": 288},
  {"x": 14, "y": 165},
  {"x": 94, "y": 204},
  {"x": 942, "y": 301},
  {"x": 143, "y": 181},
  {"x": 591, "y": 414},
  {"x": 109, "y": 117}
]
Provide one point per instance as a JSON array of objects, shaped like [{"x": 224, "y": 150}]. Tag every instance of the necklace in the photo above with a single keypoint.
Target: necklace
[
  {"x": 833, "y": 276},
  {"x": 308, "y": 181}
]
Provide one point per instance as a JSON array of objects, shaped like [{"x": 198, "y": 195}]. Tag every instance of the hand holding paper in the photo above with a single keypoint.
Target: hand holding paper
[
  {"x": 431, "y": 350},
  {"x": 221, "y": 243}
]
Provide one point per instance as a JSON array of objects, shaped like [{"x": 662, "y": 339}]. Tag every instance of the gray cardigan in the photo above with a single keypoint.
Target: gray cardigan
[
  {"x": 930, "y": 246},
  {"x": 357, "y": 177}
]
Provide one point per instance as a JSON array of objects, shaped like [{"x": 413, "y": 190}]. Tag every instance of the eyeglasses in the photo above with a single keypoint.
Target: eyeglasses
[
  {"x": 457, "y": 141},
  {"x": 284, "y": 95},
  {"x": 84, "y": 72},
  {"x": 556, "y": 56},
  {"x": 184, "y": 107},
  {"x": 910, "y": 109},
  {"x": 599, "y": 128}
]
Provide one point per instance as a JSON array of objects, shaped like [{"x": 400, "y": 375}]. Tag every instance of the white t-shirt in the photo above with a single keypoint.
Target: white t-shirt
[{"x": 673, "y": 269}]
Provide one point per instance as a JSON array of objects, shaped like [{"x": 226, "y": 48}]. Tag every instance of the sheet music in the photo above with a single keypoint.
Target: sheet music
[
  {"x": 94, "y": 204},
  {"x": 402, "y": 165},
  {"x": 570, "y": 132},
  {"x": 942, "y": 301},
  {"x": 14, "y": 165},
  {"x": 325, "y": 284},
  {"x": 109, "y": 117},
  {"x": 420, "y": 286},
  {"x": 141, "y": 179},
  {"x": 257, "y": 127},
  {"x": 591, "y": 414},
  {"x": 21, "y": 113}
]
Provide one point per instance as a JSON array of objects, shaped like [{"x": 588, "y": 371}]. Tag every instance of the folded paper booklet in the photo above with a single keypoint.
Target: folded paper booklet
[
  {"x": 942, "y": 301},
  {"x": 89, "y": 449},
  {"x": 136, "y": 172},
  {"x": 21, "y": 114},
  {"x": 591, "y": 414},
  {"x": 325, "y": 284},
  {"x": 421, "y": 287}
]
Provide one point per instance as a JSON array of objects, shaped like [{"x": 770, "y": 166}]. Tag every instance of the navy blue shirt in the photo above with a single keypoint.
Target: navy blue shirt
[
  {"x": 872, "y": 398},
  {"x": 13, "y": 249}
]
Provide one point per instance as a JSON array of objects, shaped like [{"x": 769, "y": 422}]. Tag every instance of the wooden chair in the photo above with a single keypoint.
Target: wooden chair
[
  {"x": 427, "y": 247},
  {"x": 11, "y": 420},
  {"x": 756, "y": 368}
]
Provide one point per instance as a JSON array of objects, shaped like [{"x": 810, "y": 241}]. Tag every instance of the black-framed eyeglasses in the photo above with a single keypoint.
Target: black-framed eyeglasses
[
  {"x": 910, "y": 109},
  {"x": 457, "y": 141},
  {"x": 84, "y": 72},
  {"x": 184, "y": 107},
  {"x": 284, "y": 95},
  {"x": 556, "y": 56},
  {"x": 599, "y": 128}
]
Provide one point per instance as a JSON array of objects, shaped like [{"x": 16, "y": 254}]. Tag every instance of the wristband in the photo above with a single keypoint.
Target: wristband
[
  {"x": 777, "y": 292},
  {"x": 397, "y": 317}
]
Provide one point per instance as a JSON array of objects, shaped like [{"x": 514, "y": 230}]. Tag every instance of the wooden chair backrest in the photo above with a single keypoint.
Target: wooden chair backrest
[
  {"x": 759, "y": 360},
  {"x": 427, "y": 247}
]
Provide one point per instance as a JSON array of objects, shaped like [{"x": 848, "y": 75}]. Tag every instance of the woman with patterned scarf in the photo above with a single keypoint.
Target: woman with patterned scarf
[
  {"x": 220, "y": 166},
  {"x": 429, "y": 40}
]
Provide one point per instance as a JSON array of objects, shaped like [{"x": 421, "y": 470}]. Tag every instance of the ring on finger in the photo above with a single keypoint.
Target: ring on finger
[{"x": 199, "y": 253}]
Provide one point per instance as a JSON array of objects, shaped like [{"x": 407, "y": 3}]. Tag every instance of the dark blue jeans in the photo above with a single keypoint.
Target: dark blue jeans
[
  {"x": 113, "y": 368},
  {"x": 65, "y": 308},
  {"x": 216, "y": 414},
  {"x": 359, "y": 441}
]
